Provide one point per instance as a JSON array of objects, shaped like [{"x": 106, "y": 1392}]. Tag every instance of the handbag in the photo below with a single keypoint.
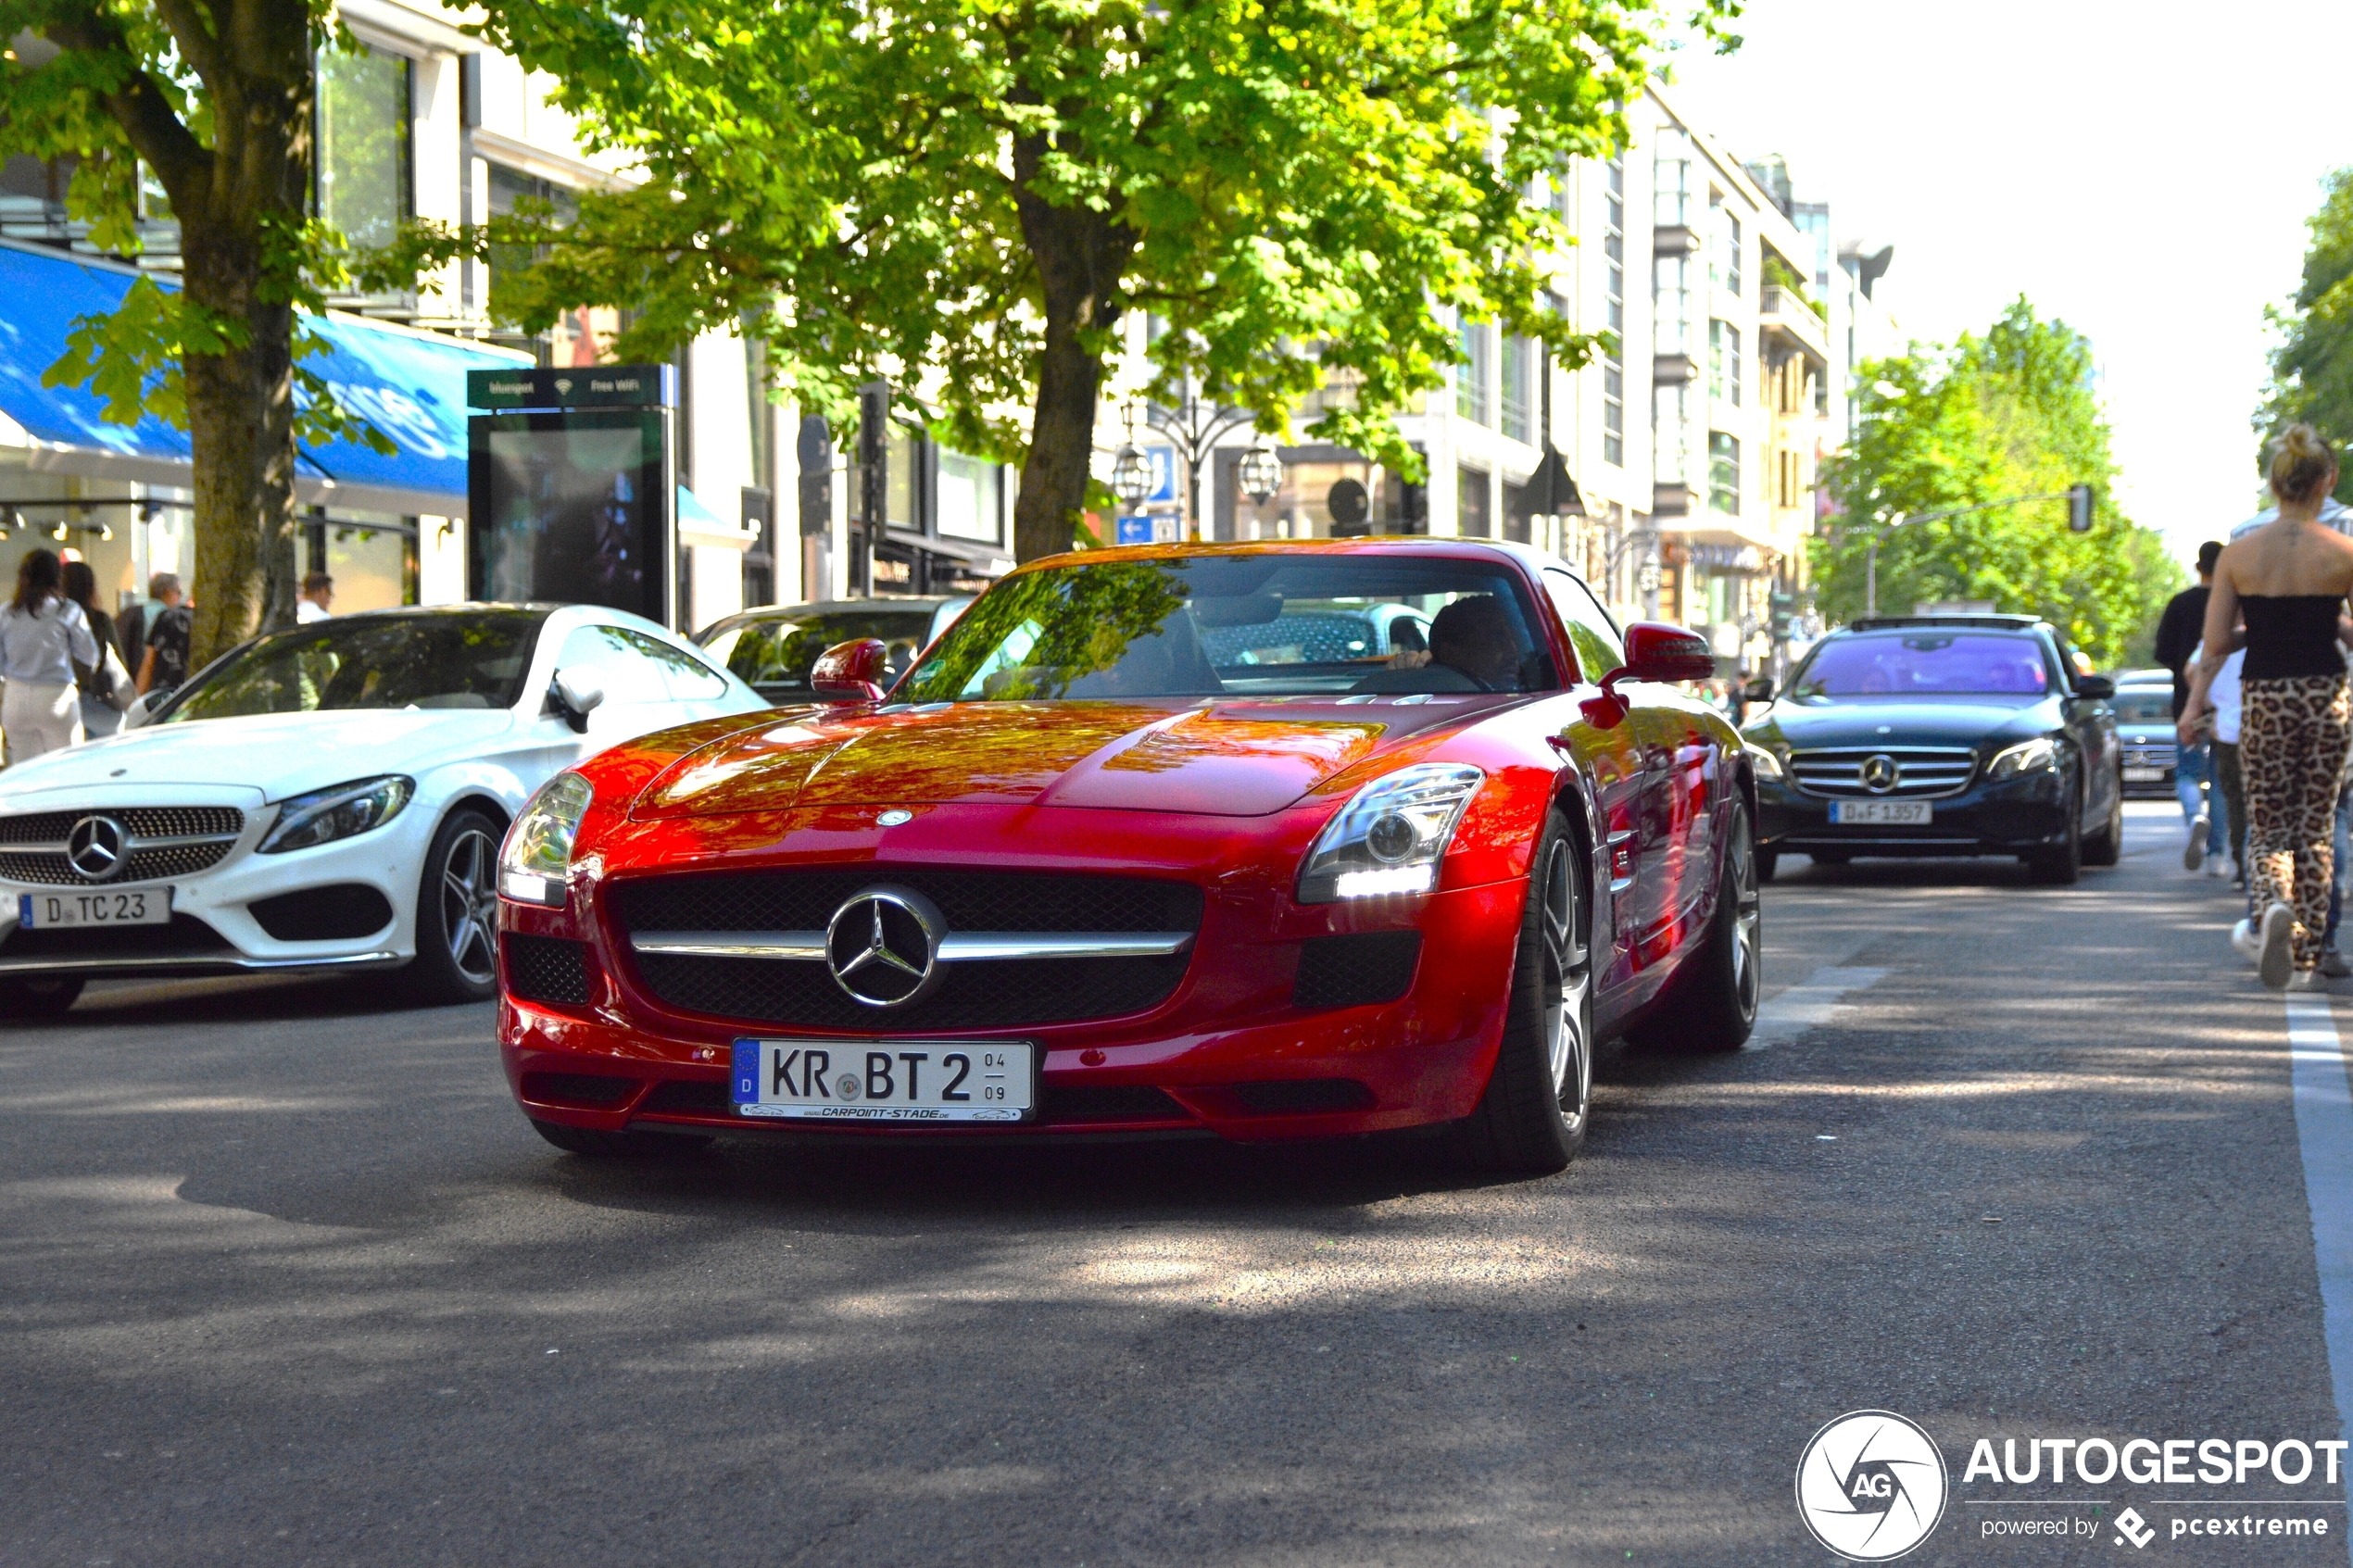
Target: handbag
[{"x": 121, "y": 691}]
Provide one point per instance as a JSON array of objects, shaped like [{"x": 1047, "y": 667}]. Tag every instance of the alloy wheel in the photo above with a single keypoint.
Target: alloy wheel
[
  {"x": 1748, "y": 919},
  {"x": 1568, "y": 980},
  {"x": 469, "y": 905}
]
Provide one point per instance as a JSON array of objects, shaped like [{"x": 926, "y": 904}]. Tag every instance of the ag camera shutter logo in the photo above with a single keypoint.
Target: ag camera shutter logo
[{"x": 1871, "y": 1486}]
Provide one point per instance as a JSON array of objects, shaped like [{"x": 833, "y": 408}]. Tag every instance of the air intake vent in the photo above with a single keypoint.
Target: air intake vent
[
  {"x": 1291, "y": 1097},
  {"x": 546, "y": 969},
  {"x": 576, "y": 1088},
  {"x": 1347, "y": 972},
  {"x": 341, "y": 912}
]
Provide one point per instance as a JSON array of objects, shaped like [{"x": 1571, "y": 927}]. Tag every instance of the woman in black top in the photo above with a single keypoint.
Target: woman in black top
[
  {"x": 2289, "y": 580},
  {"x": 99, "y": 717}
]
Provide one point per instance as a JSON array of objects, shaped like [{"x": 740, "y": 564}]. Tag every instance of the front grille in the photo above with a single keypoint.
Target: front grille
[
  {"x": 546, "y": 969},
  {"x": 1921, "y": 771},
  {"x": 186, "y": 936},
  {"x": 33, "y": 848},
  {"x": 688, "y": 1097},
  {"x": 1006, "y": 994},
  {"x": 139, "y": 821},
  {"x": 987, "y": 994},
  {"x": 1346, "y": 972},
  {"x": 2148, "y": 754},
  {"x": 576, "y": 1088},
  {"x": 969, "y": 900}
]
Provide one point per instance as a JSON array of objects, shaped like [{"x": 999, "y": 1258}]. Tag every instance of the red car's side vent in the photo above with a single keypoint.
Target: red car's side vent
[
  {"x": 546, "y": 969},
  {"x": 1357, "y": 970}
]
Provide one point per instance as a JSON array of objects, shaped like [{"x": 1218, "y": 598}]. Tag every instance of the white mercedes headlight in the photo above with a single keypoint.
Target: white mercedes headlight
[
  {"x": 535, "y": 863},
  {"x": 1391, "y": 835},
  {"x": 339, "y": 812},
  {"x": 2024, "y": 758}
]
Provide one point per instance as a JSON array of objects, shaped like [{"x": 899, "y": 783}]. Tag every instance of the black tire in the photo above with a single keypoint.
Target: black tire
[
  {"x": 1710, "y": 1005},
  {"x": 2060, "y": 866},
  {"x": 2106, "y": 848},
  {"x": 26, "y": 995},
  {"x": 595, "y": 1145},
  {"x": 1539, "y": 1100},
  {"x": 1767, "y": 862},
  {"x": 458, "y": 912}
]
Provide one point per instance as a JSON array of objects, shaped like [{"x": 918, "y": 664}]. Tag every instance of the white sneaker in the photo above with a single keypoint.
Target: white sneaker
[
  {"x": 2219, "y": 865},
  {"x": 2308, "y": 980},
  {"x": 2273, "y": 960},
  {"x": 2193, "y": 852},
  {"x": 2244, "y": 941}
]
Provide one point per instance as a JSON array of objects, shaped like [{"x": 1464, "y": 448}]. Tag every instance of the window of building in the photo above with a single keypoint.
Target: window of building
[
  {"x": 1614, "y": 243},
  {"x": 1724, "y": 473},
  {"x": 971, "y": 498},
  {"x": 1613, "y": 412},
  {"x": 580, "y": 335},
  {"x": 1475, "y": 377},
  {"x": 1671, "y": 305},
  {"x": 1791, "y": 476},
  {"x": 1517, "y": 361},
  {"x": 1731, "y": 252},
  {"x": 1473, "y": 516},
  {"x": 1724, "y": 363},
  {"x": 364, "y": 144},
  {"x": 1671, "y": 179},
  {"x": 1670, "y": 434}
]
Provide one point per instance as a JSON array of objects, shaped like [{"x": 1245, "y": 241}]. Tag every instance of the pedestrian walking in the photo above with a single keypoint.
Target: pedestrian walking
[
  {"x": 170, "y": 631},
  {"x": 2289, "y": 580},
  {"x": 102, "y": 682},
  {"x": 43, "y": 636},
  {"x": 317, "y": 593},
  {"x": 2179, "y": 631},
  {"x": 130, "y": 627}
]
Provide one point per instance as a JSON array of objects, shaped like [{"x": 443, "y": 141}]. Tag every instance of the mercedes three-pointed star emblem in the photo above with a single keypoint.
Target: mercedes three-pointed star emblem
[
  {"x": 883, "y": 946},
  {"x": 93, "y": 848},
  {"x": 1880, "y": 773}
]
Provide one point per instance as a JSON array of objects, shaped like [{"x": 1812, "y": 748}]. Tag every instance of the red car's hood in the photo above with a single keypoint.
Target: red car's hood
[{"x": 1237, "y": 759}]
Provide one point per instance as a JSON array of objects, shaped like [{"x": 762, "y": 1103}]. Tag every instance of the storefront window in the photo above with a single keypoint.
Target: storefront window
[{"x": 971, "y": 498}]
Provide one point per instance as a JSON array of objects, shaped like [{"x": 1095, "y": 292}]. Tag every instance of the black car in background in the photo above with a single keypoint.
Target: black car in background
[
  {"x": 1942, "y": 734},
  {"x": 2145, "y": 724},
  {"x": 771, "y": 650}
]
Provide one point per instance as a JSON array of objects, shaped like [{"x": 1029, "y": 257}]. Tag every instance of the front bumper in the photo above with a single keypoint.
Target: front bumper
[
  {"x": 2012, "y": 816},
  {"x": 1201, "y": 1062}
]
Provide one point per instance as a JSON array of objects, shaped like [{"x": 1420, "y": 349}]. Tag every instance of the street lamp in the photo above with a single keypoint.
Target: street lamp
[
  {"x": 1261, "y": 473},
  {"x": 1131, "y": 474}
]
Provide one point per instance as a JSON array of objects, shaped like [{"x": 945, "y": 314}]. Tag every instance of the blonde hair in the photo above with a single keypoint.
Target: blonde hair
[{"x": 2301, "y": 464}]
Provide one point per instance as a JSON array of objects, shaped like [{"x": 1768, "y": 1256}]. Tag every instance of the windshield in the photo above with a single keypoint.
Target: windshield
[
  {"x": 1233, "y": 625},
  {"x": 476, "y": 659},
  {"x": 2144, "y": 707},
  {"x": 1925, "y": 664},
  {"x": 775, "y": 655}
]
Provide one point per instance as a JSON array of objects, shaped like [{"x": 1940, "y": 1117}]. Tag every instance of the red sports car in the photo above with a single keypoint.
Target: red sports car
[{"x": 1269, "y": 841}]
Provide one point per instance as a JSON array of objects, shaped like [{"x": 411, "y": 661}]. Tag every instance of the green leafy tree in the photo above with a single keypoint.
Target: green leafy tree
[
  {"x": 967, "y": 196},
  {"x": 214, "y": 100},
  {"x": 2008, "y": 413},
  {"x": 2313, "y": 367}
]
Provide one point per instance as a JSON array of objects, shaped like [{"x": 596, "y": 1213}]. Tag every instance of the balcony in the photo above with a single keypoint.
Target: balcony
[{"x": 1785, "y": 312}]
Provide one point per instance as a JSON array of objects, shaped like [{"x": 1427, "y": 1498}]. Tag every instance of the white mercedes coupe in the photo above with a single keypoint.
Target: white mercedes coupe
[{"x": 326, "y": 798}]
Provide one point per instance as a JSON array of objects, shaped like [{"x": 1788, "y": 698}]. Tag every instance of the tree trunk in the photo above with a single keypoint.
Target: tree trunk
[
  {"x": 241, "y": 433},
  {"x": 1080, "y": 256}
]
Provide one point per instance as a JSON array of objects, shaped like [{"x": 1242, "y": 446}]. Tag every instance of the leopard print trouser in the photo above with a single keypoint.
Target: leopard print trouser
[{"x": 2293, "y": 737}]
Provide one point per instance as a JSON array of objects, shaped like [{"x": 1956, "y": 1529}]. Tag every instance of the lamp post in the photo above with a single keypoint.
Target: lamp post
[
  {"x": 1193, "y": 428},
  {"x": 1261, "y": 473}
]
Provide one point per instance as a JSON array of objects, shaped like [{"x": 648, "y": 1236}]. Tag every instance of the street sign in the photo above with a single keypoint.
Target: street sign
[{"x": 1136, "y": 529}]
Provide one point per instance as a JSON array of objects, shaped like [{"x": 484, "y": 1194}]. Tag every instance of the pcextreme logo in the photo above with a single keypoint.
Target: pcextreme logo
[{"x": 1871, "y": 1486}]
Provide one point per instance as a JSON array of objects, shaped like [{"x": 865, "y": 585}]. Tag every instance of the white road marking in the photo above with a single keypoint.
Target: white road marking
[
  {"x": 1808, "y": 1004},
  {"x": 2324, "y": 1132}
]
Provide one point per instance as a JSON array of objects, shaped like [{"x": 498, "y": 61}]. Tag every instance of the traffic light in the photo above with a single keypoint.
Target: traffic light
[{"x": 2079, "y": 508}]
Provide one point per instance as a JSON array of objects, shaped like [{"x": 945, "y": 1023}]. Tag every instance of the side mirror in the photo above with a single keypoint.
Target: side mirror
[
  {"x": 1759, "y": 689},
  {"x": 138, "y": 712},
  {"x": 574, "y": 692},
  {"x": 852, "y": 672},
  {"x": 2095, "y": 687},
  {"x": 1656, "y": 651}
]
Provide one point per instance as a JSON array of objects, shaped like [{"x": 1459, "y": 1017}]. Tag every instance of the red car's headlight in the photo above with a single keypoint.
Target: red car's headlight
[
  {"x": 1391, "y": 835},
  {"x": 535, "y": 863}
]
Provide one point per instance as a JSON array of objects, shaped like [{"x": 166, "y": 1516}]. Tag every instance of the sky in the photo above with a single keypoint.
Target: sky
[{"x": 2142, "y": 172}]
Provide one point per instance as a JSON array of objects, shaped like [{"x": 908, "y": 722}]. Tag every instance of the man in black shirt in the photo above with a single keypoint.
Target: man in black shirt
[{"x": 2177, "y": 634}]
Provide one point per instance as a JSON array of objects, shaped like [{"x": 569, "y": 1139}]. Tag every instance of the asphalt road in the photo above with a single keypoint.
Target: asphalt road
[{"x": 285, "y": 1279}]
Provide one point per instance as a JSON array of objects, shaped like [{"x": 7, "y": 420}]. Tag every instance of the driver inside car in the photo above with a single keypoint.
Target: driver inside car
[{"x": 1474, "y": 637}]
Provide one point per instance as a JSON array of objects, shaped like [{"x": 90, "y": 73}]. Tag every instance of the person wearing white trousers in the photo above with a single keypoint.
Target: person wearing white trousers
[{"x": 43, "y": 635}]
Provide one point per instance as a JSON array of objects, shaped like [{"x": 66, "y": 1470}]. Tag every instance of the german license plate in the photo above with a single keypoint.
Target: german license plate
[
  {"x": 1879, "y": 813},
  {"x": 916, "y": 1081},
  {"x": 2143, "y": 775},
  {"x": 49, "y": 911}
]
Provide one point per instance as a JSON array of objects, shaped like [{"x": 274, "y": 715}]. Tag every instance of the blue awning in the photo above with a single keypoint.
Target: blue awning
[{"x": 412, "y": 385}]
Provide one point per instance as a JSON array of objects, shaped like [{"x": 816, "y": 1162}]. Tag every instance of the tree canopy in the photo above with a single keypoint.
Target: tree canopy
[
  {"x": 2008, "y": 413},
  {"x": 967, "y": 196},
  {"x": 2313, "y": 367}
]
